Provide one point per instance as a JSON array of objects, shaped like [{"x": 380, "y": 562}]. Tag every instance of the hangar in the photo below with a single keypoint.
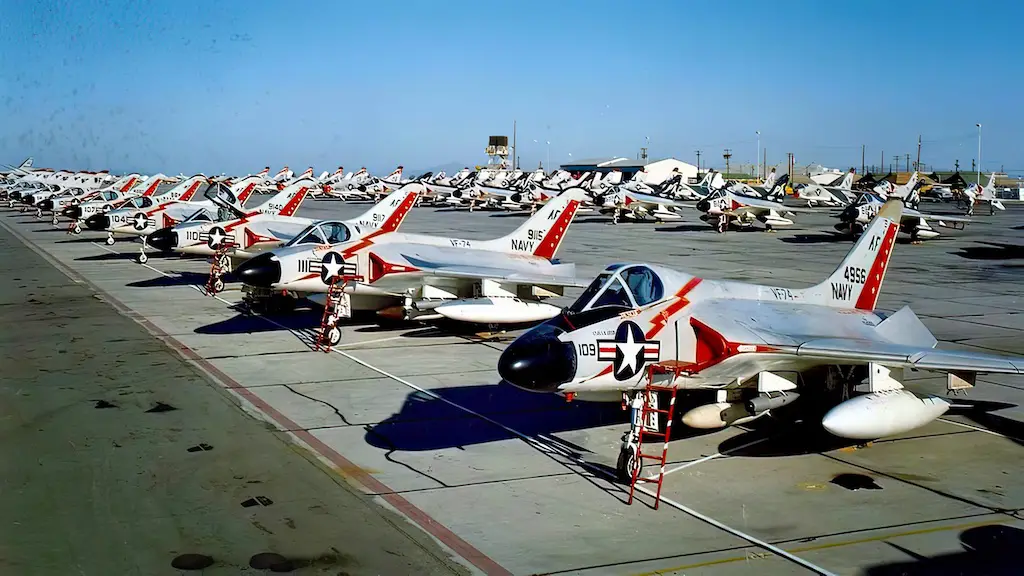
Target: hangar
[{"x": 656, "y": 170}]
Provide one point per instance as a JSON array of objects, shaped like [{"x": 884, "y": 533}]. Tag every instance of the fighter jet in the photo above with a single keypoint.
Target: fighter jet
[
  {"x": 122, "y": 220},
  {"x": 832, "y": 196},
  {"x": 722, "y": 208},
  {"x": 857, "y": 215},
  {"x": 741, "y": 350},
  {"x": 977, "y": 195},
  {"x": 418, "y": 277},
  {"x": 249, "y": 233},
  {"x": 142, "y": 222},
  {"x": 112, "y": 199}
]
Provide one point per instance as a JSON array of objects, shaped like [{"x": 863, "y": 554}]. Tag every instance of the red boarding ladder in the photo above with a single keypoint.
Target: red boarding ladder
[
  {"x": 215, "y": 283},
  {"x": 335, "y": 307},
  {"x": 651, "y": 390}
]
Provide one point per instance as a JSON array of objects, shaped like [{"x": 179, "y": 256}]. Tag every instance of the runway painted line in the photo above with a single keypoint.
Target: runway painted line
[{"x": 538, "y": 444}]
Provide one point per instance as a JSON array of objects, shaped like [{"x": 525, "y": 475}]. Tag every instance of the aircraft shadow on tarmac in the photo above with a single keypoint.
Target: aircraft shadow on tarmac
[
  {"x": 688, "y": 228},
  {"x": 991, "y": 251},
  {"x": 988, "y": 550},
  {"x": 827, "y": 237},
  {"x": 179, "y": 278},
  {"x": 428, "y": 423},
  {"x": 109, "y": 256}
]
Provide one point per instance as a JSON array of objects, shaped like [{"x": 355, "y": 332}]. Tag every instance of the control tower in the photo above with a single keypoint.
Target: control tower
[{"x": 497, "y": 152}]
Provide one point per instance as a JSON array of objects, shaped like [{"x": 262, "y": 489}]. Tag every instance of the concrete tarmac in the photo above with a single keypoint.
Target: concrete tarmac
[
  {"x": 118, "y": 456},
  {"x": 514, "y": 482}
]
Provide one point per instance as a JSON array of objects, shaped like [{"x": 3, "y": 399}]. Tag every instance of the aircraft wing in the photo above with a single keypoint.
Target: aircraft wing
[
  {"x": 478, "y": 272},
  {"x": 822, "y": 335},
  {"x": 630, "y": 197},
  {"x": 283, "y": 231},
  {"x": 759, "y": 204},
  {"x": 863, "y": 351},
  {"x": 911, "y": 214}
]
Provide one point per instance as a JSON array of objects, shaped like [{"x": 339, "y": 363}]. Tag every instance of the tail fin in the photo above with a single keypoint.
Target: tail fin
[
  {"x": 282, "y": 173},
  {"x": 389, "y": 213},
  {"x": 287, "y": 201},
  {"x": 308, "y": 173},
  {"x": 244, "y": 188},
  {"x": 152, "y": 184},
  {"x": 857, "y": 282},
  {"x": 263, "y": 173},
  {"x": 27, "y": 163},
  {"x": 543, "y": 233},
  {"x": 184, "y": 190},
  {"x": 847, "y": 183}
]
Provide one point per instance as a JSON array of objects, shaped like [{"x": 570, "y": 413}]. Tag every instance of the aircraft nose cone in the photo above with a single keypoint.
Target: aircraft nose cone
[
  {"x": 164, "y": 239},
  {"x": 516, "y": 198},
  {"x": 73, "y": 212},
  {"x": 263, "y": 271},
  {"x": 703, "y": 205},
  {"x": 28, "y": 199},
  {"x": 538, "y": 361},
  {"x": 97, "y": 222},
  {"x": 45, "y": 204}
]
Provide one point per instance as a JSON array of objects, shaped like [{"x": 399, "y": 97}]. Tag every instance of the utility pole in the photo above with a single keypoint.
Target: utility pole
[
  {"x": 979, "y": 154},
  {"x": 758, "y": 175},
  {"x": 957, "y": 164},
  {"x": 917, "y": 165},
  {"x": 515, "y": 159},
  {"x": 862, "y": 159},
  {"x": 895, "y": 167},
  {"x": 698, "y": 161},
  {"x": 764, "y": 163},
  {"x": 727, "y": 154},
  {"x": 882, "y": 163},
  {"x": 908, "y": 162}
]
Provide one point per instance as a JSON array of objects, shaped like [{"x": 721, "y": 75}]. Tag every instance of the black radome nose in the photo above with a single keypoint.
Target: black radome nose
[
  {"x": 538, "y": 361},
  {"x": 45, "y": 205},
  {"x": 516, "y": 198},
  {"x": 28, "y": 199},
  {"x": 97, "y": 222},
  {"x": 703, "y": 205},
  {"x": 73, "y": 212},
  {"x": 262, "y": 271},
  {"x": 164, "y": 239}
]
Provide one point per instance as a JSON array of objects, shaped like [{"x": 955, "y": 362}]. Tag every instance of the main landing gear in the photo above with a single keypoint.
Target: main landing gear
[
  {"x": 110, "y": 239},
  {"x": 143, "y": 258}
]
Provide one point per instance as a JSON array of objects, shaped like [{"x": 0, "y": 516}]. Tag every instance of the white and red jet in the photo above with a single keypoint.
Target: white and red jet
[
  {"x": 274, "y": 223},
  {"x": 420, "y": 277},
  {"x": 741, "y": 350}
]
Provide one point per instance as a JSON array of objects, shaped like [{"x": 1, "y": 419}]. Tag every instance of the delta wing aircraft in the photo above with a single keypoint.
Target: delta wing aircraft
[
  {"x": 272, "y": 224},
  {"x": 59, "y": 202},
  {"x": 741, "y": 350},
  {"x": 112, "y": 200},
  {"x": 122, "y": 219},
  {"x": 420, "y": 277}
]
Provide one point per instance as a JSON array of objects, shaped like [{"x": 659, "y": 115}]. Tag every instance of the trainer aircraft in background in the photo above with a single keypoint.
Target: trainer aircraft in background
[{"x": 746, "y": 349}]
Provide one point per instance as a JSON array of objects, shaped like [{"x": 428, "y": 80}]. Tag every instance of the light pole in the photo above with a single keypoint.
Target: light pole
[
  {"x": 547, "y": 162},
  {"x": 979, "y": 154},
  {"x": 757, "y": 157}
]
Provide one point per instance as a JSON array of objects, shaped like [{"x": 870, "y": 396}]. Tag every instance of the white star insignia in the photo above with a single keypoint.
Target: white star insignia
[
  {"x": 332, "y": 265},
  {"x": 631, "y": 351}
]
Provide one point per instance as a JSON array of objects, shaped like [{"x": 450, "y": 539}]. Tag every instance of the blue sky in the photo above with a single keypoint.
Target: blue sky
[{"x": 231, "y": 86}]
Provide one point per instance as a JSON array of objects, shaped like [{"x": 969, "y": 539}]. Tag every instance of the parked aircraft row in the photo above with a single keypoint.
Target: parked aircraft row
[{"x": 737, "y": 350}]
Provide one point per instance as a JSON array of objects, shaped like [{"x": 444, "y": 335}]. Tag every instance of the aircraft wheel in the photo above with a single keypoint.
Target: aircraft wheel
[
  {"x": 110, "y": 241},
  {"x": 334, "y": 336},
  {"x": 54, "y": 221},
  {"x": 143, "y": 258},
  {"x": 627, "y": 464},
  {"x": 218, "y": 285},
  {"x": 39, "y": 213},
  {"x": 77, "y": 229}
]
